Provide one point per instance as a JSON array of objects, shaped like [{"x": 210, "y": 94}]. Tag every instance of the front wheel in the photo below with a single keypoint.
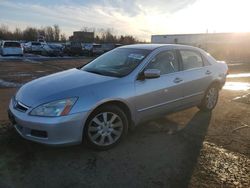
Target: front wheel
[
  {"x": 210, "y": 99},
  {"x": 105, "y": 127}
]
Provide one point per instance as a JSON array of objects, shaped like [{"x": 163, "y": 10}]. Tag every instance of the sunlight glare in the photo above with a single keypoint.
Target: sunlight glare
[
  {"x": 237, "y": 86},
  {"x": 240, "y": 75}
]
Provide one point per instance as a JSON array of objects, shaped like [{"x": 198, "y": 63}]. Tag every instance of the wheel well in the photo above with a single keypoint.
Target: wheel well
[
  {"x": 123, "y": 107},
  {"x": 216, "y": 83}
]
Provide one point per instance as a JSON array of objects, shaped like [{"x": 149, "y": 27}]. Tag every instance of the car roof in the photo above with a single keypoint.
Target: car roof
[
  {"x": 155, "y": 46},
  {"x": 10, "y": 41}
]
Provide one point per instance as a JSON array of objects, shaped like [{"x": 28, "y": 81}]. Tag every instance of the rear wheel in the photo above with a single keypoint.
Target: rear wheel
[
  {"x": 210, "y": 99},
  {"x": 106, "y": 127}
]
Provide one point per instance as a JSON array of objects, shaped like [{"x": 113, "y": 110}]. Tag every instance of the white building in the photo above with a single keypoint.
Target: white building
[
  {"x": 202, "y": 39},
  {"x": 232, "y": 46}
]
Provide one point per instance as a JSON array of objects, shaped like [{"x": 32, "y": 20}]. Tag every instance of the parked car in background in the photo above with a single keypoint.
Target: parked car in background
[
  {"x": 110, "y": 46},
  {"x": 41, "y": 40},
  {"x": 11, "y": 48},
  {"x": 107, "y": 47},
  {"x": 73, "y": 48},
  {"x": 52, "y": 50},
  {"x": 92, "y": 49},
  {"x": 98, "y": 102},
  {"x": 118, "y": 45},
  {"x": 33, "y": 47}
]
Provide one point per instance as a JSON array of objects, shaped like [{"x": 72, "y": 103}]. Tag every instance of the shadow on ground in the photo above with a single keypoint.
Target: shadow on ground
[{"x": 157, "y": 154}]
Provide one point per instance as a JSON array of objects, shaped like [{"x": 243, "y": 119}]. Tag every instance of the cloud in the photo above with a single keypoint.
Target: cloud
[{"x": 140, "y": 18}]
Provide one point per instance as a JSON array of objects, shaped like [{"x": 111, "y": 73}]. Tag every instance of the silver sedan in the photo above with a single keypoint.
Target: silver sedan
[{"x": 100, "y": 101}]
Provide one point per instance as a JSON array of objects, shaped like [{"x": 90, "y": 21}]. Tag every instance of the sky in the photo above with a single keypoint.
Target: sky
[{"x": 140, "y": 18}]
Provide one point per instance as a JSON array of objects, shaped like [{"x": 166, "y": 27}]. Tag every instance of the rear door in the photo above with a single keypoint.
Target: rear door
[
  {"x": 196, "y": 74},
  {"x": 159, "y": 95},
  {"x": 12, "y": 48}
]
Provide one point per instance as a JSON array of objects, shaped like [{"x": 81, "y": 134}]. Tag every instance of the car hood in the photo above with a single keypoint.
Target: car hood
[{"x": 70, "y": 83}]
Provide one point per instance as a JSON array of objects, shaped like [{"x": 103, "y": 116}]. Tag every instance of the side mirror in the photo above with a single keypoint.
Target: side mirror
[{"x": 152, "y": 73}]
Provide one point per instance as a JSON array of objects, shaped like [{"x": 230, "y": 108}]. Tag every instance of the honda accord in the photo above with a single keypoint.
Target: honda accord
[{"x": 99, "y": 102}]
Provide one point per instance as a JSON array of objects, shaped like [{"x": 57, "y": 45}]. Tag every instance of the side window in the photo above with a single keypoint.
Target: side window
[
  {"x": 165, "y": 61},
  {"x": 191, "y": 59}
]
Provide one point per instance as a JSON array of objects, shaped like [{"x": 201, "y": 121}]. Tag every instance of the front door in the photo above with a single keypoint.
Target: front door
[{"x": 163, "y": 94}]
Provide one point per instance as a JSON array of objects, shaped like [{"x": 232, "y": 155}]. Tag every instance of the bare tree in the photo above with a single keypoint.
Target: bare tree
[
  {"x": 17, "y": 34},
  {"x": 49, "y": 33},
  {"x": 30, "y": 34},
  {"x": 56, "y": 33},
  {"x": 88, "y": 29},
  {"x": 63, "y": 37},
  {"x": 4, "y": 31}
]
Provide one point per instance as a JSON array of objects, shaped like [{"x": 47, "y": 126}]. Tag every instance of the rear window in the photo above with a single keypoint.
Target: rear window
[
  {"x": 12, "y": 44},
  {"x": 97, "y": 46},
  {"x": 36, "y": 43}
]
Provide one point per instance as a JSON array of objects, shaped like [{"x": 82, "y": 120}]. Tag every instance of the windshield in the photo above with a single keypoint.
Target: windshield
[{"x": 118, "y": 62}]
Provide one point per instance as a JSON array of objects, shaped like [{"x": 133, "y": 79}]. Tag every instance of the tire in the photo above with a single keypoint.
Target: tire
[
  {"x": 210, "y": 98},
  {"x": 104, "y": 134}
]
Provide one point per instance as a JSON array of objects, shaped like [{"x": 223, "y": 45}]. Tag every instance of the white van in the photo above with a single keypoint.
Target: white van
[{"x": 11, "y": 48}]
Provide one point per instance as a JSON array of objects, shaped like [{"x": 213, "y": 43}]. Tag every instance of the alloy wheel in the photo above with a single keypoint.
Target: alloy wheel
[
  {"x": 105, "y": 128},
  {"x": 211, "y": 97}
]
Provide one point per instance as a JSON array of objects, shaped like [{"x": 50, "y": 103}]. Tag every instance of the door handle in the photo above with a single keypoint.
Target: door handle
[
  {"x": 208, "y": 72},
  {"x": 177, "y": 80}
]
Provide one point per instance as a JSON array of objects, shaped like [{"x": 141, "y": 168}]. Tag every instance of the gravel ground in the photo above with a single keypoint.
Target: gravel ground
[
  {"x": 185, "y": 149},
  {"x": 217, "y": 166}
]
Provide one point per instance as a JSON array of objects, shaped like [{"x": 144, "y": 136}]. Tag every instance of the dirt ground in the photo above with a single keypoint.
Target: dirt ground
[{"x": 185, "y": 149}]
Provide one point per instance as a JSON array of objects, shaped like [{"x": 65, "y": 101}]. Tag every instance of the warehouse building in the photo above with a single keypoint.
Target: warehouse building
[
  {"x": 82, "y": 36},
  {"x": 201, "y": 39},
  {"x": 221, "y": 45}
]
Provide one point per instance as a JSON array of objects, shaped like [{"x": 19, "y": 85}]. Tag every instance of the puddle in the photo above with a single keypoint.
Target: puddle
[
  {"x": 9, "y": 84},
  {"x": 244, "y": 99},
  {"x": 237, "y": 86},
  {"x": 241, "y": 75}
]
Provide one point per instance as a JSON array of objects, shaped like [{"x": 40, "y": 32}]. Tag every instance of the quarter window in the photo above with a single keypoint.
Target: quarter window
[
  {"x": 191, "y": 59},
  {"x": 165, "y": 61}
]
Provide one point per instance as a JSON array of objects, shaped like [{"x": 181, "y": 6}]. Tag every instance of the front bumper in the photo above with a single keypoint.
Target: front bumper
[{"x": 64, "y": 130}]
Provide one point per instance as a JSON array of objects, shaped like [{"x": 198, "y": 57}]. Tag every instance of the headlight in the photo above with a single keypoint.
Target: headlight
[{"x": 56, "y": 108}]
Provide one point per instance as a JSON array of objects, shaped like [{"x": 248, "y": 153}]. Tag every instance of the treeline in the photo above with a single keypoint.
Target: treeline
[
  {"x": 54, "y": 34},
  {"x": 51, "y": 33},
  {"x": 108, "y": 36}
]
